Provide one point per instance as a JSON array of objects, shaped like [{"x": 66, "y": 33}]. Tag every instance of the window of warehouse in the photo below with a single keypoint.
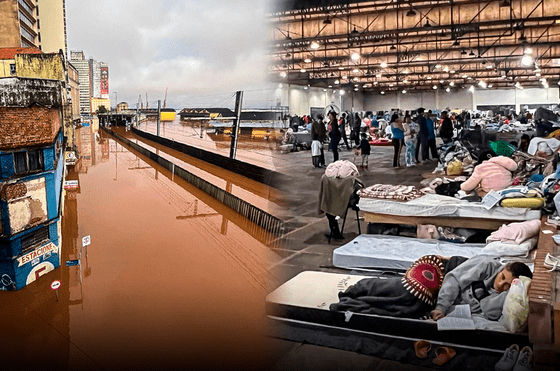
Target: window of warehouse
[{"x": 28, "y": 161}]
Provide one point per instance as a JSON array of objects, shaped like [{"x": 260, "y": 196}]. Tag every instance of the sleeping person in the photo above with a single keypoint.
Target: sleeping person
[{"x": 482, "y": 282}]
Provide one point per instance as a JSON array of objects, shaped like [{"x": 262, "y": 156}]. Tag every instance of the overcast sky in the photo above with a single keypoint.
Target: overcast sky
[{"x": 203, "y": 51}]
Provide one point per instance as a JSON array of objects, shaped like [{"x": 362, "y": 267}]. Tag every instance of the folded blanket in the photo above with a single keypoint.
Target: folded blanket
[
  {"x": 500, "y": 249},
  {"x": 395, "y": 192},
  {"x": 516, "y": 232}
]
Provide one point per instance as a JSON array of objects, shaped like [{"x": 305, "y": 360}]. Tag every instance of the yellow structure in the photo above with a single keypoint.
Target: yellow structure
[
  {"x": 35, "y": 65},
  {"x": 52, "y": 23},
  {"x": 167, "y": 114},
  {"x": 98, "y": 102},
  {"x": 122, "y": 106}
]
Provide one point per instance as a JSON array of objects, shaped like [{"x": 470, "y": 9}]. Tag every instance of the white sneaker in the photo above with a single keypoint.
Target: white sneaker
[{"x": 553, "y": 262}]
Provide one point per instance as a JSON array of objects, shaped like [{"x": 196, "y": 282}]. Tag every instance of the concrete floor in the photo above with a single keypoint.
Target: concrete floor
[{"x": 306, "y": 248}]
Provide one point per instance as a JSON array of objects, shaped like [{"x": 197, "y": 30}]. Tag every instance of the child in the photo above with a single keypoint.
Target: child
[
  {"x": 409, "y": 141},
  {"x": 365, "y": 149},
  {"x": 482, "y": 282}
]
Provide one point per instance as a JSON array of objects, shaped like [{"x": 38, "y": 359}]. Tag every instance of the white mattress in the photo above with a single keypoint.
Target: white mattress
[
  {"x": 444, "y": 206},
  {"x": 318, "y": 290},
  {"x": 395, "y": 252}
]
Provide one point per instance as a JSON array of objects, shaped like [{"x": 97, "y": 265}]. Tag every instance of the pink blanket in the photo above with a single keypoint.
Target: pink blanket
[{"x": 516, "y": 232}]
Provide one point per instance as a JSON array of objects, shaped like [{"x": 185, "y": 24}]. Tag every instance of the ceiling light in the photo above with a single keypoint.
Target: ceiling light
[
  {"x": 472, "y": 54},
  {"x": 505, "y": 3},
  {"x": 429, "y": 77},
  {"x": 378, "y": 75},
  {"x": 456, "y": 42},
  {"x": 522, "y": 38},
  {"x": 464, "y": 76},
  {"x": 482, "y": 84},
  {"x": 342, "y": 92},
  {"x": 405, "y": 81},
  {"x": 356, "y": 89},
  {"x": 383, "y": 64},
  {"x": 382, "y": 92},
  {"x": 355, "y": 56},
  {"x": 305, "y": 87},
  {"x": 283, "y": 74},
  {"x": 315, "y": 45},
  {"x": 445, "y": 69},
  {"x": 427, "y": 24},
  {"x": 324, "y": 89},
  {"x": 391, "y": 85},
  {"x": 341, "y": 68},
  {"x": 448, "y": 90},
  {"x": 356, "y": 70},
  {"x": 302, "y": 70},
  {"x": 393, "y": 47},
  {"x": 469, "y": 78},
  {"x": 463, "y": 52},
  {"x": 538, "y": 74},
  {"x": 437, "y": 66},
  {"x": 441, "y": 81},
  {"x": 307, "y": 60},
  {"x": 489, "y": 86},
  {"x": 411, "y": 13},
  {"x": 330, "y": 86},
  {"x": 489, "y": 66},
  {"x": 452, "y": 71},
  {"x": 336, "y": 82},
  {"x": 407, "y": 71},
  {"x": 354, "y": 31},
  {"x": 451, "y": 83},
  {"x": 404, "y": 91},
  {"x": 355, "y": 79},
  {"x": 375, "y": 83},
  {"x": 527, "y": 60},
  {"x": 345, "y": 77},
  {"x": 528, "y": 51},
  {"x": 434, "y": 87}
]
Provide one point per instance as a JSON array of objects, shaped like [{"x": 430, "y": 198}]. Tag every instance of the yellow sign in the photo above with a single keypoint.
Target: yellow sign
[{"x": 37, "y": 253}]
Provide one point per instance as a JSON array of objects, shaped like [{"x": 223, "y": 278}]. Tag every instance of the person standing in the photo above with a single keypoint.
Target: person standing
[
  {"x": 422, "y": 140},
  {"x": 334, "y": 134},
  {"x": 409, "y": 141},
  {"x": 446, "y": 129},
  {"x": 319, "y": 133},
  {"x": 431, "y": 137},
  {"x": 342, "y": 127},
  {"x": 365, "y": 149},
  {"x": 398, "y": 138}
]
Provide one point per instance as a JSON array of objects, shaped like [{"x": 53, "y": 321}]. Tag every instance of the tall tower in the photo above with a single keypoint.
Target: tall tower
[
  {"x": 51, "y": 17},
  {"x": 82, "y": 65},
  {"x": 18, "y": 24}
]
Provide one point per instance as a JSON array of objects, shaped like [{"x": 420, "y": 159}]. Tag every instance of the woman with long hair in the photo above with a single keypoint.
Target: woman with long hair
[
  {"x": 334, "y": 134},
  {"x": 398, "y": 138}
]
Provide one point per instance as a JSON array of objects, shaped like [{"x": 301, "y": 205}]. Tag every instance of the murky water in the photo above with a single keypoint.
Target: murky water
[
  {"x": 260, "y": 153},
  {"x": 171, "y": 280}
]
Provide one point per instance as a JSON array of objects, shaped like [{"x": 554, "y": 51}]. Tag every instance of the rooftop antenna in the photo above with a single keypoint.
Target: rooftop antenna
[
  {"x": 147, "y": 104},
  {"x": 165, "y": 99}
]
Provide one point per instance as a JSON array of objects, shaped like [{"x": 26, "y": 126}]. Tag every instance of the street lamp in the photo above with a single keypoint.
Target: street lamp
[{"x": 116, "y": 100}]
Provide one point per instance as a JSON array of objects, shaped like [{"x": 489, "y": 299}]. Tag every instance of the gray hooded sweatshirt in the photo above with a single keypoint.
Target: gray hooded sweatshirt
[{"x": 473, "y": 283}]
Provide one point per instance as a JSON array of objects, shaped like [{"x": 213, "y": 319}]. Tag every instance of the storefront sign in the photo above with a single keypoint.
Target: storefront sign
[
  {"x": 50, "y": 247},
  {"x": 71, "y": 184}
]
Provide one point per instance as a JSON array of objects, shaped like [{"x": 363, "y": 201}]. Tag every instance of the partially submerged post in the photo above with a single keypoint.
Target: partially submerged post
[{"x": 236, "y": 124}]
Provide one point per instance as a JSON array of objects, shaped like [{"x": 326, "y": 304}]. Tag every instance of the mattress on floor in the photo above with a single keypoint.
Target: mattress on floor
[
  {"x": 444, "y": 206},
  {"x": 396, "y": 252},
  {"x": 306, "y": 299}
]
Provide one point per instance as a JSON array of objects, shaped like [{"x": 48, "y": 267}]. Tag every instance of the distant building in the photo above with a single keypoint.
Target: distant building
[
  {"x": 98, "y": 102},
  {"x": 81, "y": 64},
  {"x": 122, "y": 106},
  {"x": 18, "y": 24},
  {"x": 31, "y": 166},
  {"x": 94, "y": 81}
]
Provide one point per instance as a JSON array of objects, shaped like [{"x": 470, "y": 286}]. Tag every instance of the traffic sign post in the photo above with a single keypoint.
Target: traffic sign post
[
  {"x": 86, "y": 241},
  {"x": 54, "y": 286}
]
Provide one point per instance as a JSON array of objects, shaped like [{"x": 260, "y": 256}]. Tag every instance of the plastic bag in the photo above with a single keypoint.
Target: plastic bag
[
  {"x": 516, "y": 306},
  {"x": 455, "y": 168}
]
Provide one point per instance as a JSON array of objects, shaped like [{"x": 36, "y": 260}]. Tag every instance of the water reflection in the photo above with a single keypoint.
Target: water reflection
[{"x": 172, "y": 279}]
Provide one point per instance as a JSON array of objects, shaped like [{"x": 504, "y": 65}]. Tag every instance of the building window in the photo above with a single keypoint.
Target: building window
[
  {"x": 28, "y": 161},
  {"x": 12, "y": 68},
  {"x": 30, "y": 241}
]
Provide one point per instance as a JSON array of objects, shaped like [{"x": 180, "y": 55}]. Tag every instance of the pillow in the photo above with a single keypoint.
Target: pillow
[
  {"x": 516, "y": 306},
  {"x": 530, "y": 202}
]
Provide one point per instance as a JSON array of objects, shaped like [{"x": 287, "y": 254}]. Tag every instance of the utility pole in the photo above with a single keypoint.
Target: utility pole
[
  {"x": 158, "y": 115},
  {"x": 236, "y": 124}
]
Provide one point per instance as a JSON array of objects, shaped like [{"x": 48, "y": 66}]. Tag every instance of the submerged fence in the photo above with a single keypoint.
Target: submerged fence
[{"x": 260, "y": 217}]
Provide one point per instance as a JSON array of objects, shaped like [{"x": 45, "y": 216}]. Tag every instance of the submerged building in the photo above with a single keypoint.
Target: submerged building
[{"x": 32, "y": 105}]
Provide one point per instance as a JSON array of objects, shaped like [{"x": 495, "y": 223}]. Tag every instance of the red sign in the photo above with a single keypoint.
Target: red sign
[
  {"x": 55, "y": 285},
  {"x": 104, "y": 80}
]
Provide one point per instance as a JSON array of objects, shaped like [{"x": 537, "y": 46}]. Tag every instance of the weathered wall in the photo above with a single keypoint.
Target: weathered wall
[
  {"x": 40, "y": 66},
  {"x": 26, "y": 127},
  {"x": 9, "y": 24},
  {"x": 27, "y": 204},
  {"x": 21, "y": 92},
  {"x": 5, "y": 67}
]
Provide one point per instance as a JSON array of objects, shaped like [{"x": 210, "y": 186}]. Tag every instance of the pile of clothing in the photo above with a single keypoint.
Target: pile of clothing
[{"x": 514, "y": 241}]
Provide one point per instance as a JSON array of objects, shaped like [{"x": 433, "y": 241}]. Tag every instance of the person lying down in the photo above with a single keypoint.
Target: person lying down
[{"x": 432, "y": 285}]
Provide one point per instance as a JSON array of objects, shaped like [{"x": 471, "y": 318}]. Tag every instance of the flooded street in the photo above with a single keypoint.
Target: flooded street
[
  {"x": 172, "y": 278},
  {"x": 258, "y": 152}
]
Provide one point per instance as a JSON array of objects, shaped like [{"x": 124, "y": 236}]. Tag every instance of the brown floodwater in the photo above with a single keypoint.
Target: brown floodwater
[{"x": 172, "y": 279}]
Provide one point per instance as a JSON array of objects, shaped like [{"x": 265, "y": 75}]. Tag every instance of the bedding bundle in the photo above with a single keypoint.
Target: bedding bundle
[{"x": 394, "y": 192}]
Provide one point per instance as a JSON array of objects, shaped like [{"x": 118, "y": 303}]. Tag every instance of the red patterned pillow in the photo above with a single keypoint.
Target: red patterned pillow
[{"x": 424, "y": 278}]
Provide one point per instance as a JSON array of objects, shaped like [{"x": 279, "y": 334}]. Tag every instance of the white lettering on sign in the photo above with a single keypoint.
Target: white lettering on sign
[
  {"x": 86, "y": 241},
  {"x": 55, "y": 285},
  {"x": 50, "y": 247}
]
